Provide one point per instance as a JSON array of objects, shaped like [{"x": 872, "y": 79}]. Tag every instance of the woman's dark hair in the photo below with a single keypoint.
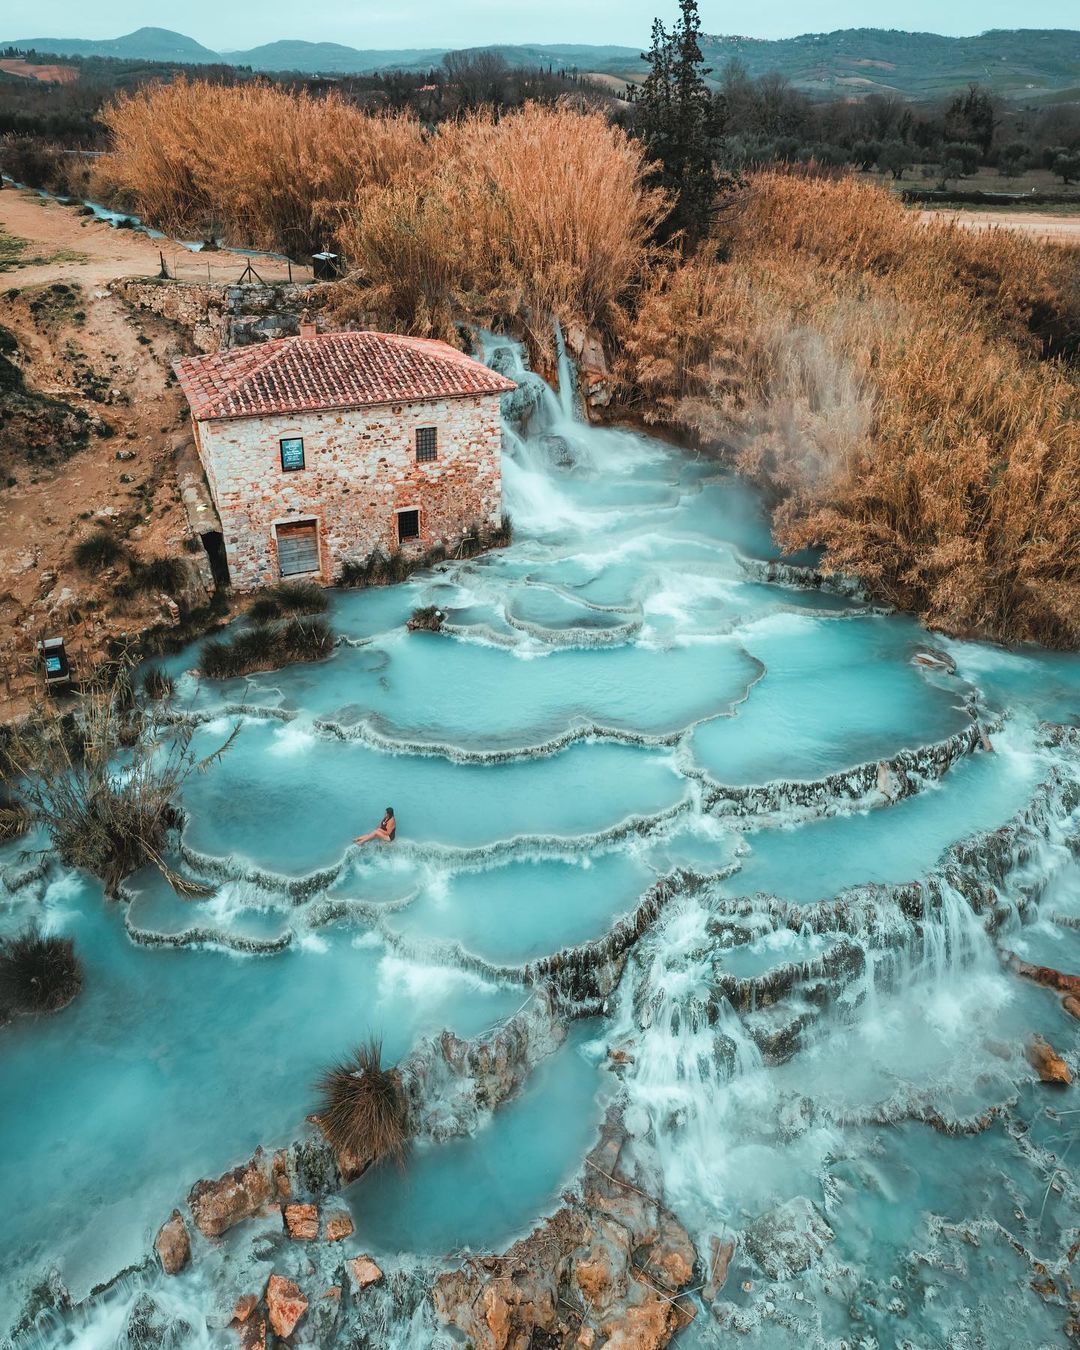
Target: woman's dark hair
[{"x": 389, "y": 810}]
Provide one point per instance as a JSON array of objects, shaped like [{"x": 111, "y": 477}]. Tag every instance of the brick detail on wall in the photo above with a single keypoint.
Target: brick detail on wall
[{"x": 360, "y": 469}]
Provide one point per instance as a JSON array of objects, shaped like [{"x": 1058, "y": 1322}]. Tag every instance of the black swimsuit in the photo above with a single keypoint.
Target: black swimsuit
[{"x": 391, "y": 830}]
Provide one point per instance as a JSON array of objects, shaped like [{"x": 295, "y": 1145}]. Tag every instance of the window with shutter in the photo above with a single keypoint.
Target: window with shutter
[{"x": 298, "y": 548}]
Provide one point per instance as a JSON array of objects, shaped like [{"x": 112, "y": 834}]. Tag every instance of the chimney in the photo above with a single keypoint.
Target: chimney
[{"x": 307, "y": 325}]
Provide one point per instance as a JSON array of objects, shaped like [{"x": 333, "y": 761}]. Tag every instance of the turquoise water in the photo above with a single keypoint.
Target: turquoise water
[{"x": 549, "y": 757}]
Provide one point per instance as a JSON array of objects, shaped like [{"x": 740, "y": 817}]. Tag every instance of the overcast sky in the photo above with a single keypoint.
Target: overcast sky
[{"x": 238, "y": 24}]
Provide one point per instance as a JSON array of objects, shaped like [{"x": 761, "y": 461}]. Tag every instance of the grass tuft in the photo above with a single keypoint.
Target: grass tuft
[
  {"x": 361, "y": 1107},
  {"x": 157, "y": 684},
  {"x": 288, "y": 597},
  {"x": 266, "y": 646},
  {"x": 38, "y": 974},
  {"x": 98, "y": 550}
]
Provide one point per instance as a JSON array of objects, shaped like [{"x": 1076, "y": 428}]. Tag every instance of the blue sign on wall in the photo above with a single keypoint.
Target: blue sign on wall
[{"x": 292, "y": 453}]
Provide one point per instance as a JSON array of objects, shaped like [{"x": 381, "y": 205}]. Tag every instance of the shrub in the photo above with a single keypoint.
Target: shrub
[
  {"x": 468, "y": 234},
  {"x": 157, "y": 684},
  {"x": 162, "y": 574},
  {"x": 265, "y": 646},
  {"x": 288, "y": 597},
  {"x": 252, "y": 164},
  {"x": 108, "y": 822},
  {"x": 888, "y": 382},
  {"x": 97, "y": 551},
  {"x": 14, "y": 822},
  {"x": 310, "y": 639},
  {"x": 38, "y": 974},
  {"x": 362, "y": 1108}
]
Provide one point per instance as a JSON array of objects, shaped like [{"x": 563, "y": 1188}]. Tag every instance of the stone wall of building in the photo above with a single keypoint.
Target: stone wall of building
[
  {"x": 224, "y": 316},
  {"x": 360, "y": 470}
]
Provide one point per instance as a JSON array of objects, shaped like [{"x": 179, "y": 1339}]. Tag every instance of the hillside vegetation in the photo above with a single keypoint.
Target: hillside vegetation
[
  {"x": 850, "y": 60},
  {"x": 907, "y": 392}
]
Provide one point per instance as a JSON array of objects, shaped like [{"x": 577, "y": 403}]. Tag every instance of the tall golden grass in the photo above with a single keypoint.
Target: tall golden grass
[
  {"x": 909, "y": 392},
  {"x": 253, "y": 164},
  {"x": 539, "y": 213}
]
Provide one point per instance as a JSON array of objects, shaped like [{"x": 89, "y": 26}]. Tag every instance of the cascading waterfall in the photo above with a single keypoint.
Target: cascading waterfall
[{"x": 731, "y": 820}]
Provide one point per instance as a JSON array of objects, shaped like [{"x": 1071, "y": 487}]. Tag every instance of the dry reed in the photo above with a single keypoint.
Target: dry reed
[
  {"x": 908, "y": 392},
  {"x": 253, "y": 164}
]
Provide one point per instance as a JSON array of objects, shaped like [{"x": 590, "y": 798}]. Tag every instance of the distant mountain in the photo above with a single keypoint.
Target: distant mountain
[
  {"x": 914, "y": 65},
  {"x": 330, "y": 58},
  {"x": 853, "y": 60},
  {"x": 145, "y": 44}
]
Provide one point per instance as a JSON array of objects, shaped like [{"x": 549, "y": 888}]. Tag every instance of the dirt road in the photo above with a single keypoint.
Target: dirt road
[
  {"x": 1038, "y": 224},
  {"x": 104, "y": 253}
]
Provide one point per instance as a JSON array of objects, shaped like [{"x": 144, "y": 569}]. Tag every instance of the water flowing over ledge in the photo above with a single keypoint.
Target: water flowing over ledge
[{"x": 702, "y": 957}]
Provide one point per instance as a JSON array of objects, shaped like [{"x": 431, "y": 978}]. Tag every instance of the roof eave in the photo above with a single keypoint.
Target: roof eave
[{"x": 345, "y": 407}]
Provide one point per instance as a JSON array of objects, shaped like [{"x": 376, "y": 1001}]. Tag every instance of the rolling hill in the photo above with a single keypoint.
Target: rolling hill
[{"x": 856, "y": 60}]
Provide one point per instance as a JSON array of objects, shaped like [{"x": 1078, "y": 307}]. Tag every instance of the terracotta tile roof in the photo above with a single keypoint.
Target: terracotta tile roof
[{"x": 331, "y": 370}]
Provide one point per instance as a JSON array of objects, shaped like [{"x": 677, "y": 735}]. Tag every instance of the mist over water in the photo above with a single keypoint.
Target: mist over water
[{"x": 827, "y": 1061}]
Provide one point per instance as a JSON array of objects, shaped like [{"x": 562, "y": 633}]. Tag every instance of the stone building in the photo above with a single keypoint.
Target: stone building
[{"x": 331, "y": 446}]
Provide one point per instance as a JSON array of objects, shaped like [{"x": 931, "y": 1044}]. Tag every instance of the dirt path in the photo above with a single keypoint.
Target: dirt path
[
  {"x": 1037, "y": 224},
  {"x": 106, "y": 253}
]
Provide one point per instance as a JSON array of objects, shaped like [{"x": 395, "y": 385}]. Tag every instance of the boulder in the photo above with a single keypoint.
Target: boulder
[
  {"x": 557, "y": 450},
  {"x": 252, "y": 1330},
  {"x": 720, "y": 1254},
  {"x": 1044, "y": 975},
  {"x": 364, "y": 1272},
  {"x": 786, "y": 1240},
  {"x": 279, "y": 1175},
  {"x": 428, "y": 619},
  {"x": 1046, "y": 1062},
  {"x": 285, "y": 1304},
  {"x": 1071, "y": 1004},
  {"x": 302, "y": 1222},
  {"x": 149, "y": 1328},
  {"x": 324, "y": 1315},
  {"x": 338, "y": 1225},
  {"x": 240, "y": 1194},
  {"x": 173, "y": 1244},
  {"x": 245, "y": 1306}
]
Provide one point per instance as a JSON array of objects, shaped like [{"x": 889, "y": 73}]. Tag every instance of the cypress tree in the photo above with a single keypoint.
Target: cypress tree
[{"x": 681, "y": 123}]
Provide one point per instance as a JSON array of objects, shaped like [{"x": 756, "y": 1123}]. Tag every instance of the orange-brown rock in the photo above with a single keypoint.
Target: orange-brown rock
[
  {"x": 279, "y": 1175},
  {"x": 720, "y": 1254},
  {"x": 1045, "y": 975},
  {"x": 364, "y": 1272},
  {"x": 1071, "y": 1004},
  {"x": 217, "y": 1205},
  {"x": 647, "y": 1325},
  {"x": 595, "y": 1276},
  {"x": 338, "y": 1225},
  {"x": 302, "y": 1222},
  {"x": 245, "y": 1306},
  {"x": 252, "y": 1330},
  {"x": 285, "y": 1304},
  {"x": 611, "y": 1247},
  {"x": 1046, "y": 1062},
  {"x": 173, "y": 1245}
]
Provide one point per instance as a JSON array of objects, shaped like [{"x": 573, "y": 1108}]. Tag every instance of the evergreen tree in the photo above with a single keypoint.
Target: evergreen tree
[{"x": 681, "y": 123}]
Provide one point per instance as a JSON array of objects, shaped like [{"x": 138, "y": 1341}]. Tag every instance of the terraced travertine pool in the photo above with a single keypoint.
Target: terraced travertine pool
[{"x": 604, "y": 699}]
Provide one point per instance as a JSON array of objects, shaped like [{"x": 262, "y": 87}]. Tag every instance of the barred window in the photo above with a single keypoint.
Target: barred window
[{"x": 426, "y": 444}]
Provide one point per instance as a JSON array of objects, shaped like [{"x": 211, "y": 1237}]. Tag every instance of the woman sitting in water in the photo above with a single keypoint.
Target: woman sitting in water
[{"x": 387, "y": 829}]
